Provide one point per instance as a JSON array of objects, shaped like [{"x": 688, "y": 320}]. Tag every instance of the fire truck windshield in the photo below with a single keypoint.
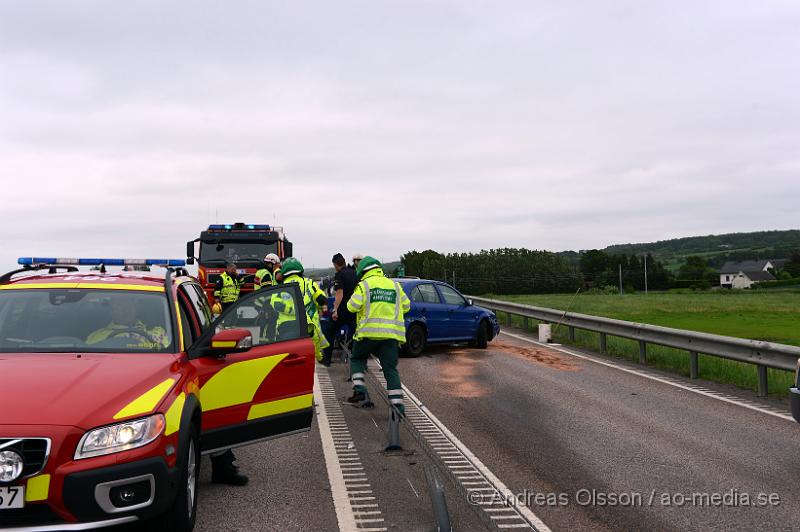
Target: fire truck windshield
[
  {"x": 242, "y": 253},
  {"x": 85, "y": 320}
]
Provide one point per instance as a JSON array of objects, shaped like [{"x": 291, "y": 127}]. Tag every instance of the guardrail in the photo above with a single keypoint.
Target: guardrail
[{"x": 762, "y": 354}]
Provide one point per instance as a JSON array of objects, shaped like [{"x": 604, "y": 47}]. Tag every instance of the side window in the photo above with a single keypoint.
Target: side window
[
  {"x": 428, "y": 292},
  {"x": 200, "y": 304},
  {"x": 416, "y": 295},
  {"x": 451, "y": 297},
  {"x": 271, "y": 315}
]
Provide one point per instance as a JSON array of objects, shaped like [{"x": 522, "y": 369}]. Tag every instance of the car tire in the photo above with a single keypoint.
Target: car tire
[
  {"x": 482, "y": 336},
  {"x": 416, "y": 337},
  {"x": 183, "y": 513}
]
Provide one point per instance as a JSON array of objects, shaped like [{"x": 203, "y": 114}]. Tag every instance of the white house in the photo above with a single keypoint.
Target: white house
[{"x": 744, "y": 274}]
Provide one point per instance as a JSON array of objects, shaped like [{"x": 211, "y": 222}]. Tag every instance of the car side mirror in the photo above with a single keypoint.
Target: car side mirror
[
  {"x": 469, "y": 303},
  {"x": 231, "y": 341}
]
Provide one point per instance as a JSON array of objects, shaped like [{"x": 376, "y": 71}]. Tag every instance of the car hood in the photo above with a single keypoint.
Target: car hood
[{"x": 84, "y": 390}]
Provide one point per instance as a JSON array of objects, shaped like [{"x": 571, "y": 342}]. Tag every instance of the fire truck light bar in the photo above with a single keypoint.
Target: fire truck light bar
[
  {"x": 228, "y": 227},
  {"x": 97, "y": 262}
]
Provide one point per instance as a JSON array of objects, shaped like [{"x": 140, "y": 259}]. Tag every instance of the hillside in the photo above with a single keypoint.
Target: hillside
[{"x": 716, "y": 248}]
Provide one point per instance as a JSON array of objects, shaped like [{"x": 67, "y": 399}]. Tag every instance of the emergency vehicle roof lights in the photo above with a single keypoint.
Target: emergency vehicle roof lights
[
  {"x": 98, "y": 262},
  {"x": 239, "y": 225}
]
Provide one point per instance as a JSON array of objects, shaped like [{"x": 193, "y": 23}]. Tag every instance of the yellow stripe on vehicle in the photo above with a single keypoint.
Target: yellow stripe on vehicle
[
  {"x": 91, "y": 286},
  {"x": 174, "y": 413},
  {"x": 238, "y": 383},
  {"x": 180, "y": 324},
  {"x": 145, "y": 403},
  {"x": 223, "y": 343},
  {"x": 37, "y": 489},
  {"x": 281, "y": 406}
]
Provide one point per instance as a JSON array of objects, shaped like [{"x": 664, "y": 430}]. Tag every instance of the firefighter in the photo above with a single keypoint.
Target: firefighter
[
  {"x": 228, "y": 285},
  {"x": 266, "y": 275},
  {"x": 313, "y": 298},
  {"x": 380, "y": 305},
  {"x": 226, "y": 291}
]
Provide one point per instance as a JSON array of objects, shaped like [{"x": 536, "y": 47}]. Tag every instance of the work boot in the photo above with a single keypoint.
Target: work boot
[
  {"x": 228, "y": 474},
  {"x": 357, "y": 397},
  {"x": 224, "y": 472}
]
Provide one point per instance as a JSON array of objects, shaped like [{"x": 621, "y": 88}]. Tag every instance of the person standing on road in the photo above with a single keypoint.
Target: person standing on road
[
  {"x": 226, "y": 292},
  {"x": 266, "y": 275},
  {"x": 380, "y": 305},
  {"x": 344, "y": 283},
  {"x": 313, "y": 298},
  {"x": 227, "y": 287},
  {"x": 356, "y": 259}
]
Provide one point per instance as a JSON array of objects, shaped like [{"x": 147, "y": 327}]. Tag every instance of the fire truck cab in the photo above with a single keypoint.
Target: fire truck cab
[{"x": 244, "y": 244}]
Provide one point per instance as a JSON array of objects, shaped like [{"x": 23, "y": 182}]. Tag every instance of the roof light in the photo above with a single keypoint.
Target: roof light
[
  {"x": 228, "y": 227},
  {"x": 99, "y": 261}
]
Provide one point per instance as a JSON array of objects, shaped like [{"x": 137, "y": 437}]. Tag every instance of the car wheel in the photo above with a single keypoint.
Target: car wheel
[
  {"x": 415, "y": 340},
  {"x": 181, "y": 517},
  {"x": 482, "y": 338}
]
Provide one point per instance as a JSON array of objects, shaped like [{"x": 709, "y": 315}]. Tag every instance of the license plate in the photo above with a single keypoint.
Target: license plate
[{"x": 12, "y": 497}]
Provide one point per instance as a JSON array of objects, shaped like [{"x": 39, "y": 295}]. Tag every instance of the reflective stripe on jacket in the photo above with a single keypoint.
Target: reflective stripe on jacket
[
  {"x": 229, "y": 292},
  {"x": 379, "y": 304},
  {"x": 264, "y": 277}
]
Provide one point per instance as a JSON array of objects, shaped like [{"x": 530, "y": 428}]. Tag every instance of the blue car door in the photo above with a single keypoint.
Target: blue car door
[
  {"x": 426, "y": 303},
  {"x": 459, "y": 321}
]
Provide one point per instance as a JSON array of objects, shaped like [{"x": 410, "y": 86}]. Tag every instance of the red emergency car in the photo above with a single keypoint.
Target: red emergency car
[{"x": 113, "y": 384}]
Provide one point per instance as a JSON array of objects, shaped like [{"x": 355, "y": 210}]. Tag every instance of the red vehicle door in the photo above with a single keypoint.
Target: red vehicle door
[{"x": 261, "y": 392}]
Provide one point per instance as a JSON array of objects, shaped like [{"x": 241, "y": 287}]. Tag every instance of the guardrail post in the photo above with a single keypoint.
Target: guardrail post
[
  {"x": 436, "y": 489},
  {"x": 642, "y": 352},
  {"x": 603, "y": 344},
  {"x": 571, "y": 334},
  {"x": 763, "y": 389},
  {"x": 508, "y": 319},
  {"x": 394, "y": 431},
  {"x": 693, "y": 367}
]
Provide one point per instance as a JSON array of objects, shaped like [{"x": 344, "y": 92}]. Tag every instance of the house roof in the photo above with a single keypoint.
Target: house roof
[
  {"x": 760, "y": 276},
  {"x": 746, "y": 266}
]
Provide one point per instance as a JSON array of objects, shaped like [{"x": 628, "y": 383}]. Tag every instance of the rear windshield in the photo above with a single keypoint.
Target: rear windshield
[{"x": 88, "y": 321}]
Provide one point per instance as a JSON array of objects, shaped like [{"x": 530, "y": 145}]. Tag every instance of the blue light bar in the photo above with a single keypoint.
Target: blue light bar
[
  {"x": 228, "y": 227},
  {"x": 98, "y": 262}
]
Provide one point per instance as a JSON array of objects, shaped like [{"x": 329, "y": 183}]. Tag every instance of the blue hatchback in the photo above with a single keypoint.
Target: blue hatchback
[{"x": 440, "y": 314}]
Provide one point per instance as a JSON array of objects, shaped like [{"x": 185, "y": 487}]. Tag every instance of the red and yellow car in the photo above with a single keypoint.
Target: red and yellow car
[{"x": 112, "y": 385}]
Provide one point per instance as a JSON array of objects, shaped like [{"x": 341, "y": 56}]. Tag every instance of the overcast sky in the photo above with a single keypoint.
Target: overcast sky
[{"x": 381, "y": 127}]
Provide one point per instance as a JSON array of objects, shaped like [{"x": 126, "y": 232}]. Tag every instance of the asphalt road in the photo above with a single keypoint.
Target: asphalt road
[
  {"x": 550, "y": 424},
  {"x": 585, "y": 446}
]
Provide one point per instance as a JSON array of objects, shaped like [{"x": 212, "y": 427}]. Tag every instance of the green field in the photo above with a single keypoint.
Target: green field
[{"x": 773, "y": 316}]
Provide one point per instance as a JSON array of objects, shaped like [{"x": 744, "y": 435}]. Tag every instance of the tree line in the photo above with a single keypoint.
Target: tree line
[{"x": 525, "y": 271}]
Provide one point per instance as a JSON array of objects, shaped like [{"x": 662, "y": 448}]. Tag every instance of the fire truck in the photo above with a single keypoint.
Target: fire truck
[{"x": 244, "y": 244}]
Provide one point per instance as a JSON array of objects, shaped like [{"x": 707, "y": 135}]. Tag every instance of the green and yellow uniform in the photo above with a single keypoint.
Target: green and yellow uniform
[
  {"x": 141, "y": 336},
  {"x": 379, "y": 304},
  {"x": 311, "y": 292},
  {"x": 227, "y": 288}
]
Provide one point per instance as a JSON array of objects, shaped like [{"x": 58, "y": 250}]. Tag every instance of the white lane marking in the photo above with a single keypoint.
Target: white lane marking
[
  {"x": 501, "y": 487},
  {"x": 412, "y": 487},
  {"x": 689, "y": 388},
  {"x": 341, "y": 503}
]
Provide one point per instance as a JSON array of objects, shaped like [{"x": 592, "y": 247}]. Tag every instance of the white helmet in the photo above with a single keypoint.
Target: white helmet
[{"x": 273, "y": 258}]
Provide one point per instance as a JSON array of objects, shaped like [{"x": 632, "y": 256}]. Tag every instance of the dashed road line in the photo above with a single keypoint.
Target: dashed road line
[
  {"x": 486, "y": 492},
  {"x": 355, "y": 508},
  {"x": 700, "y": 390}
]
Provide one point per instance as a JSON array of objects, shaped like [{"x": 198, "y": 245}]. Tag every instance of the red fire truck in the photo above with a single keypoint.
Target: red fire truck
[{"x": 244, "y": 244}]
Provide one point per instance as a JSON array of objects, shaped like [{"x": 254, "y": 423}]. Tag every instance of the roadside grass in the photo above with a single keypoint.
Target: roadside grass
[{"x": 773, "y": 316}]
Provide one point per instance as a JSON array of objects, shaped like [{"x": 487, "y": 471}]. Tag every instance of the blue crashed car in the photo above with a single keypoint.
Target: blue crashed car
[{"x": 440, "y": 314}]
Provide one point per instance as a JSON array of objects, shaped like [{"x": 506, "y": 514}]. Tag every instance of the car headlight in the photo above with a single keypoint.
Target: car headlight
[{"x": 120, "y": 437}]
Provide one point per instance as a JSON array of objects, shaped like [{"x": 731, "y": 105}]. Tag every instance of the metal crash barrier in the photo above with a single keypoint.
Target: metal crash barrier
[{"x": 760, "y": 353}]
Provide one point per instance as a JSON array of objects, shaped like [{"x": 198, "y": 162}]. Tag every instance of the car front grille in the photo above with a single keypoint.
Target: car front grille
[{"x": 34, "y": 452}]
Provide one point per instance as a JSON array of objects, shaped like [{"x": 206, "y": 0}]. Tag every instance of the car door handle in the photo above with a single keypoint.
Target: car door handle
[{"x": 293, "y": 360}]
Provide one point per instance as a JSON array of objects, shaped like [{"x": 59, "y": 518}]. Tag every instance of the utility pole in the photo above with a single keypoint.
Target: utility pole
[
  {"x": 454, "y": 278},
  {"x": 621, "y": 291},
  {"x": 645, "y": 274}
]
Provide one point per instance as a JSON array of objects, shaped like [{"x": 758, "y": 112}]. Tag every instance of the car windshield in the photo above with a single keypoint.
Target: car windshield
[
  {"x": 218, "y": 253},
  {"x": 89, "y": 321}
]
